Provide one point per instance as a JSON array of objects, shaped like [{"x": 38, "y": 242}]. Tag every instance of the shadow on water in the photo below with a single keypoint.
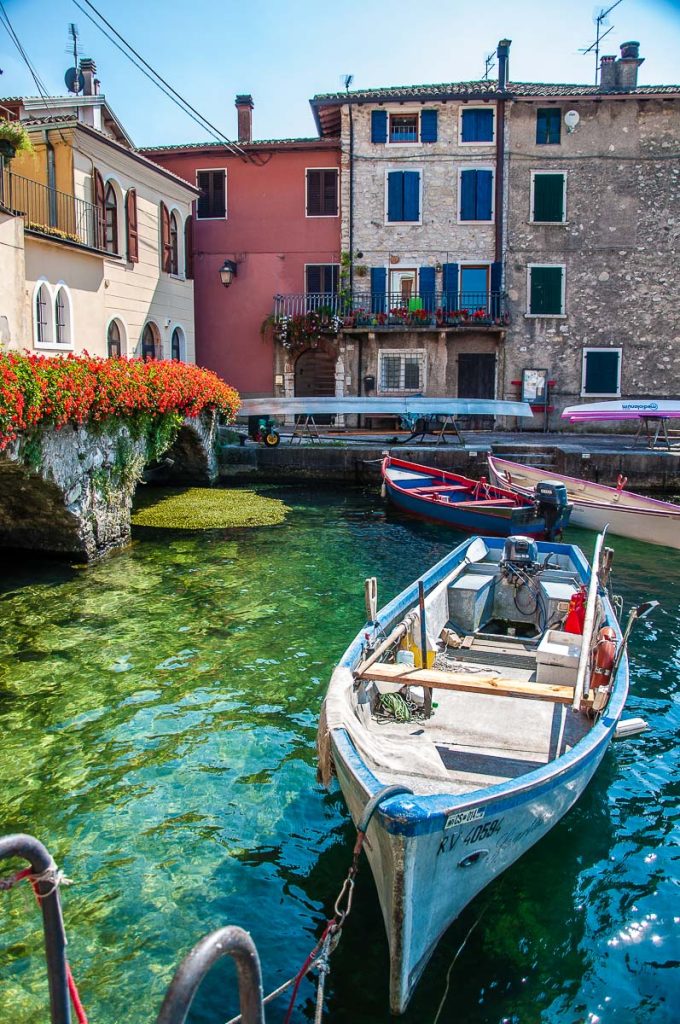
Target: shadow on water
[{"x": 158, "y": 714}]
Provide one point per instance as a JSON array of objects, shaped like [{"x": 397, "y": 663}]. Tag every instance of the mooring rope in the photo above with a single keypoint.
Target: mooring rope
[{"x": 54, "y": 877}]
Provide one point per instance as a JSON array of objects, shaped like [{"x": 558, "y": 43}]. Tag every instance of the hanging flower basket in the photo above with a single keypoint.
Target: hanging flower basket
[{"x": 13, "y": 139}]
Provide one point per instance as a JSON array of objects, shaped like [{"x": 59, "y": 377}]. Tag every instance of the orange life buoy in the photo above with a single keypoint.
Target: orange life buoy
[{"x": 603, "y": 658}]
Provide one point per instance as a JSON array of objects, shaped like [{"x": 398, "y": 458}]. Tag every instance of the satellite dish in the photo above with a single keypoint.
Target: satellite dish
[
  {"x": 571, "y": 119},
  {"x": 74, "y": 80}
]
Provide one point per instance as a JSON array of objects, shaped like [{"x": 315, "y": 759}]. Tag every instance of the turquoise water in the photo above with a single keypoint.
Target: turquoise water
[{"x": 158, "y": 715}]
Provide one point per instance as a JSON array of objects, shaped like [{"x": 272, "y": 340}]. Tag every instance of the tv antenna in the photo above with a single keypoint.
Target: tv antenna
[
  {"x": 347, "y": 81},
  {"x": 600, "y": 20},
  {"x": 73, "y": 77},
  {"x": 489, "y": 64}
]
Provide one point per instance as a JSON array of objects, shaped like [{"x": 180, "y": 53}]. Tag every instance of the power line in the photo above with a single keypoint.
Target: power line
[{"x": 171, "y": 93}]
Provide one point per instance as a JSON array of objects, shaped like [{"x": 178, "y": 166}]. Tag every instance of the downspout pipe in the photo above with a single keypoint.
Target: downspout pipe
[
  {"x": 503, "y": 68},
  {"x": 359, "y": 385}
]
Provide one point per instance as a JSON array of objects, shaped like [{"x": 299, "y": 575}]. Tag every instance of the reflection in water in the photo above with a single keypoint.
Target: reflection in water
[{"x": 158, "y": 714}]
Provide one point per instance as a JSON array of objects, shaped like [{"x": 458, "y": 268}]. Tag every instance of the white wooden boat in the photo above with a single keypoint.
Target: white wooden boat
[
  {"x": 516, "y": 733},
  {"x": 595, "y": 505},
  {"x": 623, "y": 409}
]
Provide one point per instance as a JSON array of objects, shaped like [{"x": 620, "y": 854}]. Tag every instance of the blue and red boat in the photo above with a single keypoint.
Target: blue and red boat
[{"x": 475, "y": 506}]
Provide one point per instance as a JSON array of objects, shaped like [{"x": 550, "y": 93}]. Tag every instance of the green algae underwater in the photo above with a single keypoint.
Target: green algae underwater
[{"x": 158, "y": 716}]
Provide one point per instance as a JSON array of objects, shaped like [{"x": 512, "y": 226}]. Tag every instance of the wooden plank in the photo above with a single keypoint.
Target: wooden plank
[{"x": 470, "y": 682}]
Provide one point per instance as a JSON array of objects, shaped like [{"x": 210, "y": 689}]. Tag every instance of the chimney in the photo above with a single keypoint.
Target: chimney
[
  {"x": 244, "y": 107},
  {"x": 503, "y": 54},
  {"x": 627, "y": 65},
  {"x": 608, "y": 73},
  {"x": 88, "y": 69}
]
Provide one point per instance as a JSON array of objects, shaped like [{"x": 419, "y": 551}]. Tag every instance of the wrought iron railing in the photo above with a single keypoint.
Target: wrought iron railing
[
  {"x": 51, "y": 212},
  {"x": 393, "y": 310}
]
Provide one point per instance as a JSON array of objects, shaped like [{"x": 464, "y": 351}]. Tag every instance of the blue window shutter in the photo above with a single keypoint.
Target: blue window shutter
[
  {"x": 378, "y": 126},
  {"x": 484, "y": 196},
  {"x": 469, "y": 132},
  {"x": 450, "y": 285},
  {"x": 378, "y": 287},
  {"x": 411, "y": 195},
  {"x": 395, "y": 195},
  {"x": 496, "y": 285},
  {"x": 427, "y": 283},
  {"x": 602, "y": 373},
  {"x": 428, "y": 126},
  {"x": 484, "y": 126},
  {"x": 468, "y": 195}
]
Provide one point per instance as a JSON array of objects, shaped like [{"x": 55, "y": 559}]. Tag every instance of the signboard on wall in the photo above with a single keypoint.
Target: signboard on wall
[{"x": 535, "y": 386}]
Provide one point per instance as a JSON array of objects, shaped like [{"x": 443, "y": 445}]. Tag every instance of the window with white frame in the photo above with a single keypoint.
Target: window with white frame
[
  {"x": 43, "y": 315},
  {"x": 177, "y": 344},
  {"x": 401, "y": 369},
  {"x": 601, "y": 372},
  {"x": 403, "y": 127},
  {"x": 548, "y": 197},
  {"x": 477, "y": 125},
  {"x": 546, "y": 289},
  {"x": 62, "y": 317}
]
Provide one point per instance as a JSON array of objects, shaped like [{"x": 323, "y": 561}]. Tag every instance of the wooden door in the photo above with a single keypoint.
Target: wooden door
[
  {"x": 477, "y": 379},
  {"x": 315, "y": 377}
]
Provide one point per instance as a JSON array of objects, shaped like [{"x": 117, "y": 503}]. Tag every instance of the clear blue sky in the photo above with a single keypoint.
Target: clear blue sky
[{"x": 285, "y": 52}]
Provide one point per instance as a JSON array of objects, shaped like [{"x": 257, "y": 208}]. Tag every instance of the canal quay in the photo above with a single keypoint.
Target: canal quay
[{"x": 356, "y": 457}]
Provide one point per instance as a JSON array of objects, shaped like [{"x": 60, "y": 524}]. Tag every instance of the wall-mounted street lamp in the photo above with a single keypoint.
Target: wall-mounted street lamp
[{"x": 228, "y": 272}]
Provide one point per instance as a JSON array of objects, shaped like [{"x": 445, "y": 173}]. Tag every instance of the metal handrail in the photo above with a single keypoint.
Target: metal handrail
[
  {"x": 51, "y": 212},
  {"x": 229, "y": 941},
  {"x": 394, "y": 309},
  {"x": 32, "y": 850}
]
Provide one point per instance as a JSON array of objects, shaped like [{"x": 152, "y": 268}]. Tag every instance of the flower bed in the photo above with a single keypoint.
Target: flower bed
[{"x": 41, "y": 391}]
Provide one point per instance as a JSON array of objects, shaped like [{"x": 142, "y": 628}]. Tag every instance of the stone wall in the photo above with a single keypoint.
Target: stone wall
[
  {"x": 620, "y": 245},
  {"x": 70, "y": 491}
]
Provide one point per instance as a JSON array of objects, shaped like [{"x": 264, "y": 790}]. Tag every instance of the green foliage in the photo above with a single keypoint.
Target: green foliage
[
  {"x": 17, "y": 136},
  {"x": 161, "y": 433},
  {"x": 32, "y": 450},
  {"x": 198, "y": 508}
]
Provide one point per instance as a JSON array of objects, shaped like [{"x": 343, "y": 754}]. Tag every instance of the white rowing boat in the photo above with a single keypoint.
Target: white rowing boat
[
  {"x": 517, "y": 731},
  {"x": 596, "y": 505}
]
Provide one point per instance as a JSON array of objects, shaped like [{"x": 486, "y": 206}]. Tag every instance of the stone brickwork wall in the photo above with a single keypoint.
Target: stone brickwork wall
[
  {"x": 440, "y": 238},
  {"x": 620, "y": 244},
  {"x": 70, "y": 491}
]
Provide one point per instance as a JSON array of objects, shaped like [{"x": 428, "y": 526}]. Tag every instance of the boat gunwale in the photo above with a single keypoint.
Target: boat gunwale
[
  {"x": 503, "y": 492},
  {"x": 660, "y": 508},
  {"x": 417, "y": 814}
]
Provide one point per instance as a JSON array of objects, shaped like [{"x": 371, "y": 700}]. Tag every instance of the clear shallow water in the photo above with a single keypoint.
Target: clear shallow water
[{"x": 157, "y": 723}]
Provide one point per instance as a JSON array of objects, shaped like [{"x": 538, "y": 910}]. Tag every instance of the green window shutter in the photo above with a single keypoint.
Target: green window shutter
[
  {"x": 545, "y": 291},
  {"x": 549, "y": 198},
  {"x": 602, "y": 372}
]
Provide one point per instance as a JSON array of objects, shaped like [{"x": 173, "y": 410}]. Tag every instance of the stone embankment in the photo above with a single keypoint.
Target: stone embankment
[{"x": 70, "y": 491}]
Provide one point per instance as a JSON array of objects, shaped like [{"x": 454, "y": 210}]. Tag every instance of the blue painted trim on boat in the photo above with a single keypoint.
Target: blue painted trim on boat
[{"x": 410, "y": 816}]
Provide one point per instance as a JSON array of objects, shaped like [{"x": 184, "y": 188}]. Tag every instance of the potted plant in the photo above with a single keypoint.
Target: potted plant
[{"x": 13, "y": 139}]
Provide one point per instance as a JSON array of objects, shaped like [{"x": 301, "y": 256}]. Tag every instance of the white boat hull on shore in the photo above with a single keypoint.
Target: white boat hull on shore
[{"x": 595, "y": 505}]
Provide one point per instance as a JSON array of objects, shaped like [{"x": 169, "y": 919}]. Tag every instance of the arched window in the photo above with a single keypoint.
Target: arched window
[
  {"x": 149, "y": 341},
  {"x": 174, "y": 244},
  {"x": 114, "y": 346},
  {"x": 62, "y": 318},
  {"x": 177, "y": 344},
  {"x": 43, "y": 333},
  {"x": 110, "y": 219}
]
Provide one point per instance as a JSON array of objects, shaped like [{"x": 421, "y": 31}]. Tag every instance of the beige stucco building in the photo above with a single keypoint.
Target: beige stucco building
[{"x": 93, "y": 237}]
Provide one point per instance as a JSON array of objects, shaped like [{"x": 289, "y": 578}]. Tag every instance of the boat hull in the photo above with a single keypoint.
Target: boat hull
[
  {"x": 596, "y": 506},
  {"x": 498, "y": 522},
  {"x": 424, "y": 881}
]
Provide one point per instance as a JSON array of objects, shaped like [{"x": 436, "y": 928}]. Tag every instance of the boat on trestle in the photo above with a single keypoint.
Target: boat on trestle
[
  {"x": 518, "y": 727},
  {"x": 475, "y": 506},
  {"x": 596, "y": 505}
]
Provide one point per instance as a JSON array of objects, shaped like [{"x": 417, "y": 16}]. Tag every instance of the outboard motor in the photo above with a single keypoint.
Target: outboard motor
[
  {"x": 519, "y": 553},
  {"x": 552, "y": 505}
]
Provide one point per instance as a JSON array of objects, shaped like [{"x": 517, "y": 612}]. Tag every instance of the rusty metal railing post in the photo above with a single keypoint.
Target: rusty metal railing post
[
  {"x": 230, "y": 941},
  {"x": 36, "y": 854}
]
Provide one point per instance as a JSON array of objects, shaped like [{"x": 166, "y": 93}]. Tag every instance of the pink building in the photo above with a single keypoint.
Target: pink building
[{"x": 272, "y": 212}]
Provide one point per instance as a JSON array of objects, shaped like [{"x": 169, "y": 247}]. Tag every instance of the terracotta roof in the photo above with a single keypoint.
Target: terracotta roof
[{"x": 182, "y": 146}]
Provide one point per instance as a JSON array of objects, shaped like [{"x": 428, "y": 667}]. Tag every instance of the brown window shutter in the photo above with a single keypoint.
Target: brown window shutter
[
  {"x": 100, "y": 207},
  {"x": 313, "y": 193},
  {"x": 131, "y": 226},
  {"x": 166, "y": 245},
  {"x": 189, "y": 248}
]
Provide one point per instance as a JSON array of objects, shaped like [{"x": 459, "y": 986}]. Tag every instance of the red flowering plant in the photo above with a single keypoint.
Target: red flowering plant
[{"x": 37, "y": 391}]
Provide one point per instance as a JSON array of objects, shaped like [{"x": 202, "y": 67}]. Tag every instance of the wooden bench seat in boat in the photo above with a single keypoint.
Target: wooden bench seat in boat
[
  {"x": 500, "y": 502},
  {"x": 470, "y": 682},
  {"x": 439, "y": 488}
]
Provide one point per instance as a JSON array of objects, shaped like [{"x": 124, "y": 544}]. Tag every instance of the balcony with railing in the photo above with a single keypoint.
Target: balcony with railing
[
  {"x": 49, "y": 212},
  {"x": 380, "y": 311}
]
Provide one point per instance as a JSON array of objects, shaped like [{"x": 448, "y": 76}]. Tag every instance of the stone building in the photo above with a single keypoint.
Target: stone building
[
  {"x": 499, "y": 227},
  {"x": 94, "y": 234},
  {"x": 593, "y": 236}
]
